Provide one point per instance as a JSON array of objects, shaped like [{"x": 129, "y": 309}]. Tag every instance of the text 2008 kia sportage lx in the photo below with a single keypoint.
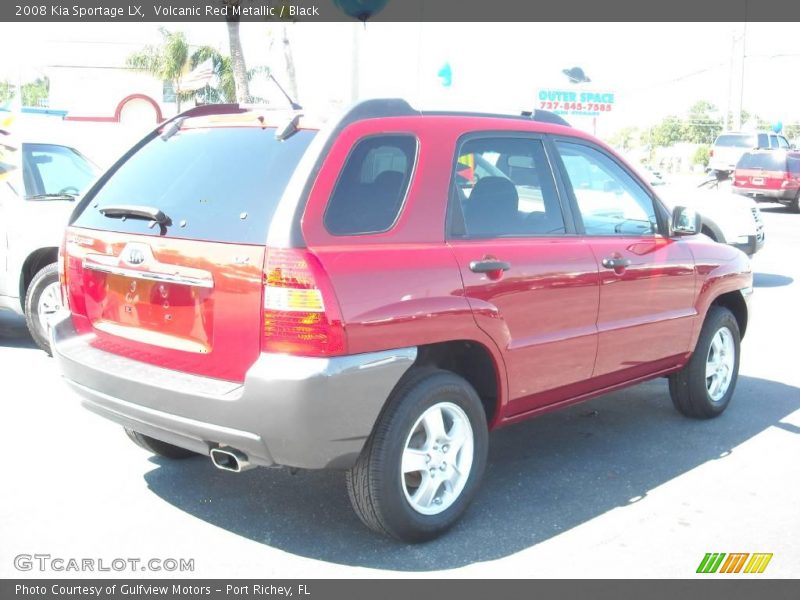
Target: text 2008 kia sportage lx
[{"x": 377, "y": 295}]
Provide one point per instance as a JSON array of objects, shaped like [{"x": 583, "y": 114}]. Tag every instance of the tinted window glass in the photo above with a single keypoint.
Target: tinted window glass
[
  {"x": 782, "y": 143},
  {"x": 769, "y": 161},
  {"x": 216, "y": 183},
  {"x": 793, "y": 161},
  {"x": 505, "y": 188},
  {"x": 736, "y": 140},
  {"x": 49, "y": 169},
  {"x": 610, "y": 201},
  {"x": 372, "y": 186}
]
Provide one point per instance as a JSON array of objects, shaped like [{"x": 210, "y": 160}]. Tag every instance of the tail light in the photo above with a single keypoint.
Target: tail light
[
  {"x": 301, "y": 314},
  {"x": 789, "y": 181},
  {"x": 62, "y": 272},
  {"x": 711, "y": 153}
]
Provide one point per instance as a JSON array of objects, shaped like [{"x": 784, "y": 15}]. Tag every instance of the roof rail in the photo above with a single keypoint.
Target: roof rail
[
  {"x": 545, "y": 116},
  {"x": 376, "y": 108},
  {"x": 541, "y": 116}
]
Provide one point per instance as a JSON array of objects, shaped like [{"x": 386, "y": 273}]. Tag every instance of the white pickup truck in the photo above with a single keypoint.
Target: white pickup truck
[
  {"x": 39, "y": 182},
  {"x": 725, "y": 217}
]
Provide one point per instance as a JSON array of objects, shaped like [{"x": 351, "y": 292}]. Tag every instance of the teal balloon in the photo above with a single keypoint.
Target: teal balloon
[
  {"x": 361, "y": 9},
  {"x": 777, "y": 127},
  {"x": 445, "y": 75}
]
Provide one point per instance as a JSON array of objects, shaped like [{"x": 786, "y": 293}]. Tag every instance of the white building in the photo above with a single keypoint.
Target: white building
[{"x": 90, "y": 82}]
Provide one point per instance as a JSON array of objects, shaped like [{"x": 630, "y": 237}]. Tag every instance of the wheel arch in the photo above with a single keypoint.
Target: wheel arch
[
  {"x": 476, "y": 363},
  {"x": 734, "y": 302},
  {"x": 713, "y": 231},
  {"x": 35, "y": 262}
]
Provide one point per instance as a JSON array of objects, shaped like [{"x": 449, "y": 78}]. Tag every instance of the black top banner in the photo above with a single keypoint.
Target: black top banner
[{"x": 398, "y": 10}]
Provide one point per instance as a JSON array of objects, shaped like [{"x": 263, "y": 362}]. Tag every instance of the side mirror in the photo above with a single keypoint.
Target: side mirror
[{"x": 685, "y": 221}]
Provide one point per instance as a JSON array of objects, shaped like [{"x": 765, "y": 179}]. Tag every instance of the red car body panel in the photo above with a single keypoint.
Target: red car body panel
[
  {"x": 648, "y": 305},
  {"x": 213, "y": 332},
  {"x": 558, "y": 327},
  {"x": 542, "y": 313},
  {"x": 755, "y": 179}
]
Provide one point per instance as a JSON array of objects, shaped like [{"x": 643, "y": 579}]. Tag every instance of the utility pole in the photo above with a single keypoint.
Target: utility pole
[
  {"x": 738, "y": 120},
  {"x": 355, "y": 68},
  {"x": 727, "y": 114}
]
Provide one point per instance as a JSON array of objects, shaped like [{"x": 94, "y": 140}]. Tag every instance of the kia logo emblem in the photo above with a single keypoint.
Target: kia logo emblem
[{"x": 133, "y": 255}]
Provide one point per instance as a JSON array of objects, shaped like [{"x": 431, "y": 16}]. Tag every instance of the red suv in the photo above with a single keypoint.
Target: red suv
[
  {"x": 770, "y": 175},
  {"x": 377, "y": 295}
]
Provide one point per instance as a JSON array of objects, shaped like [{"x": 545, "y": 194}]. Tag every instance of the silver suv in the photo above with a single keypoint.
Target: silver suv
[{"x": 39, "y": 182}]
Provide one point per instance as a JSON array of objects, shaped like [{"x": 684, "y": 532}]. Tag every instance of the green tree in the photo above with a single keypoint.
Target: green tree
[
  {"x": 34, "y": 93},
  {"x": 7, "y": 91},
  {"x": 626, "y": 138},
  {"x": 792, "y": 130},
  {"x": 225, "y": 89},
  {"x": 168, "y": 61},
  {"x": 669, "y": 131},
  {"x": 703, "y": 125},
  {"x": 701, "y": 155},
  {"x": 238, "y": 66}
]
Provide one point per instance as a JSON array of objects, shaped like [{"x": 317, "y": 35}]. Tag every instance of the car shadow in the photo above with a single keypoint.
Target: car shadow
[
  {"x": 776, "y": 208},
  {"x": 13, "y": 331},
  {"x": 770, "y": 280},
  {"x": 544, "y": 476}
]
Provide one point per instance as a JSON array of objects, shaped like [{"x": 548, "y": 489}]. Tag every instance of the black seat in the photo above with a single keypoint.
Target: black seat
[{"x": 492, "y": 208}]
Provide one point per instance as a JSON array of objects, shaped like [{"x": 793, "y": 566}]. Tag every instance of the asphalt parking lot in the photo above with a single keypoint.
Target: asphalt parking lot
[{"x": 621, "y": 486}]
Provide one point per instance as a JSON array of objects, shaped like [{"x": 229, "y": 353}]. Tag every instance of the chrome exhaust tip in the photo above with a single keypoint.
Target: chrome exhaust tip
[{"x": 230, "y": 459}]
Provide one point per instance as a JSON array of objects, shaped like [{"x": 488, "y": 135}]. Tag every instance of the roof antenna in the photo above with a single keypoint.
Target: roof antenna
[{"x": 295, "y": 105}]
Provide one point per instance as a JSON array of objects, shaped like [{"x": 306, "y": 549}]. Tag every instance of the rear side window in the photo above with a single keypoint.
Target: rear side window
[
  {"x": 219, "y": 184},
  {"x": 372, "y": 186},
  {"x": 736, "y": 140}
]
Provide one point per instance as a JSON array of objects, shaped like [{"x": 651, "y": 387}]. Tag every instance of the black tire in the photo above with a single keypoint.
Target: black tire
[
  {"x": 37, "y": 328},
  {"x": 158, "y": 447},
  {"x": 795, "y": 204},
  {"x": 688, "y": 387},
  {"x": 376, "y": 485}
]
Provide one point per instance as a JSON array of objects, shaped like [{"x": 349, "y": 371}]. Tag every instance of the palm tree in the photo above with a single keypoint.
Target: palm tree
[
  {"x": 167, "y": 61},
  {"x": 288, "y": 59},
  {"x": 225, "y": 89},
  {"x": 238, "y": 65}
]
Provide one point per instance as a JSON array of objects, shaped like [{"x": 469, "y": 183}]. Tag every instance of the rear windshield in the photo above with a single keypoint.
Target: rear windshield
[
  {"x": 218, "y": 184},
  {"x": 769, "y": 161},
  {"x": 736, "y": 140}
]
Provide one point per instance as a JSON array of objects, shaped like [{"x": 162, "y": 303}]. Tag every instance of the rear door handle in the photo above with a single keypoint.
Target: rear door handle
[
  {"x": 487, "y": 266},
  {"x": 616, "y": 262}
]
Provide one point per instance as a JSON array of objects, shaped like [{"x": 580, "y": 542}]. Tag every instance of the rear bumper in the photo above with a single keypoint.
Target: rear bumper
[
  {"x": 294, "y": 411},
  {"x": 781, "y": 195}
]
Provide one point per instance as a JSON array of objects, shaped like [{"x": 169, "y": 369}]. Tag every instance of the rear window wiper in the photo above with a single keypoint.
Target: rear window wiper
[{"x": 136, "y": 211}]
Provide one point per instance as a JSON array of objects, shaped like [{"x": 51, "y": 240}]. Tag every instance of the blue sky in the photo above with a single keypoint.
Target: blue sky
[{"x": 654, "y": 68}]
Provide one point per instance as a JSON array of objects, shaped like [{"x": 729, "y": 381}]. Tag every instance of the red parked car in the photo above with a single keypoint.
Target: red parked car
[
  {"x": 377, "y": 295},
  {"x": 769, "y": 175}
]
